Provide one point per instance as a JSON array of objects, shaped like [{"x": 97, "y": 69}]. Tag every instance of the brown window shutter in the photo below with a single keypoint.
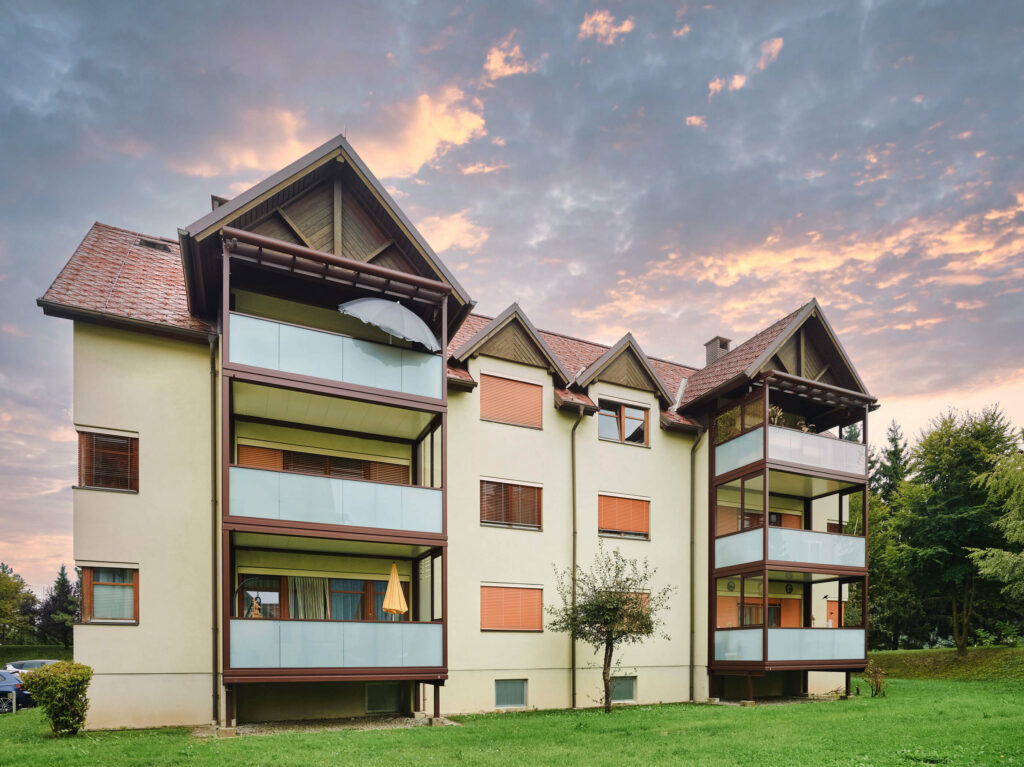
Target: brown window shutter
[
  {"x": 514, "y": 402},
  {"x": 85, "y": 459},
  {"x": 108, "y": 460},
  {"x": 511, "y": 609},
  {"x": 623, "y": 515},
  {"x": 388, "y": 472},
  {"x": 306, "y": 463},
  {"x": 260, "y": 457},
  {"x": 509, "y": 504}
]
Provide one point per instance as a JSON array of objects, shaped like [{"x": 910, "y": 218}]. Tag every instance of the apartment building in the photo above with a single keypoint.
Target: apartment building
[{"x": 263, "y": 477}]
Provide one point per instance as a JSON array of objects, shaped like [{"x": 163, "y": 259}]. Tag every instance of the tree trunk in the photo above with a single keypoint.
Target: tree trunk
[
  {"x": 606, "y": 674},
  {"x": 963, "y": 610}
]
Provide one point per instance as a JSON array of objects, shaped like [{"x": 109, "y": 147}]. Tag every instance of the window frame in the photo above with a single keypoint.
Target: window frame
[
  {"x": 631, "y": 677},
  {"x": 507, "y": 489},
  {"x": 623, "y": 534},
  {"x": 514, "y": 587},
  {"x": 89, "y": 435},
  {"x": 604, "y": 404},
  {"x": 88, "y": 599},
  {"x": 526, "y": 693}
]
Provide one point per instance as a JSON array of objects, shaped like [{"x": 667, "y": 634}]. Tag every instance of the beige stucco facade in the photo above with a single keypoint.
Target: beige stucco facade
[{"x": 158, "y": 672}]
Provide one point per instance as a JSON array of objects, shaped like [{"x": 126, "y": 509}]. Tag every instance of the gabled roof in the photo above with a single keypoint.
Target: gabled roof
[
  {"x": 124, "y": 277},
  {"x": 746, "y": 360},
  {"x": 305, "y": 172},
  {"x": 625, "y": 345},
  {"x": 513, "y": 314}
]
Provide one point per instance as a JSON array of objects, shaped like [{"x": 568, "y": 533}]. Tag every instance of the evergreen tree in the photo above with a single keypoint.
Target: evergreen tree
[
  {"x": 58, "y": 610},
  {"x": 944, "y": 512},
  {"x": 894, "y": 465}
]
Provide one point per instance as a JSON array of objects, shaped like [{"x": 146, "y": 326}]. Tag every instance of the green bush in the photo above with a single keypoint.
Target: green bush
[{"x": 60, "y": 690}]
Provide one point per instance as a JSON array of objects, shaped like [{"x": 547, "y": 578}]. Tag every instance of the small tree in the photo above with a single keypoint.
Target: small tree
[
  {"x": 60, "y": 689},
  {"x": 17, "y": 607},
  {"x": 612, "y": 604},
  {"x": 57, "y": 612},
  {"x": 894, "y": 465}
]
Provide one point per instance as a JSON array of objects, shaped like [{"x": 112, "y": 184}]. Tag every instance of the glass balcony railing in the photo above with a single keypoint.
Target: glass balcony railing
[
  {"x": 739, "y": 548},
  {"x": 815, "y": 644},
  {"x": 327, "y": 500},
  {"x": 335, "y": 644},
  {"x": 738, "y": 644},
  {"x": 806, "y": 546},
  {"x": 790, "y": 644},
  {"x": 302, "y": 351},
  {"x": 816, "y": 451},
  {"x": 739, "y": 451}
]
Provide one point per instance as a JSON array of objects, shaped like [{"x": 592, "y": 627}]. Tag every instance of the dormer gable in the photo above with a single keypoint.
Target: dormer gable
[{"x": 626, "y": 364}]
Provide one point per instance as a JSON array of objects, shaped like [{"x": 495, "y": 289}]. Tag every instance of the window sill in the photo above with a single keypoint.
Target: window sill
[
  {"x": 623, "y": 536},
  {"x": 509, "y": 423},
  {"x": 619, "y": 442},
  {"x": 110, "y": 622},
  {"x": 513, "y": 631},
  {"x": 502, "y": 526},
  {"x": 105, "y": 489}
]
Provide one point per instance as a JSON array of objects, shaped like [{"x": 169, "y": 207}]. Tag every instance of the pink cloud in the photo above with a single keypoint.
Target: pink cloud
[
  {"x": 715, "y": 86},
  {"x": 770, "y": 50},
  {"x": 737, "y": 82},
  {"x": 602, "y": 26},
  {"x": 456, "y": 230},
  {"x": 506, "y": 59},
  {"x": 696, "y": 121},
  {"x": 481, "y": 167},
  {"x": 683, "y": 31}
]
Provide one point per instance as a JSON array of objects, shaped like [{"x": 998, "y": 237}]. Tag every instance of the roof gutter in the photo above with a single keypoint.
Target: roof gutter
[{"x": 65, "y": 311}]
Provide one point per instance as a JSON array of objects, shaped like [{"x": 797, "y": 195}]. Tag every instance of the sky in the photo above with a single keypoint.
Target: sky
[{"x": 676, "y": 170}]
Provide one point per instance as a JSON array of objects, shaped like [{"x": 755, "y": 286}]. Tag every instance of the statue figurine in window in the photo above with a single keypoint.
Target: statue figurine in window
[{"x": 256, "y": 607}]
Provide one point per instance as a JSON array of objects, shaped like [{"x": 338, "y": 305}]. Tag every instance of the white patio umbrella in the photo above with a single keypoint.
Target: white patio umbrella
[{"x": 393, "y": 318}]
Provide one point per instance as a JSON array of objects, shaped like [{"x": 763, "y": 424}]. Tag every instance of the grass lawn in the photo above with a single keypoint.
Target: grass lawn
[
  {"x": 980, "y": 663},
  {"x": 919, "y": 722}
]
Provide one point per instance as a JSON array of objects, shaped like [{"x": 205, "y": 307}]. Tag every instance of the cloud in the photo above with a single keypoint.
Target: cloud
[
  {"x": 770, "y": 50},
  {"x": 602, "y": 26},
  {"x": 260, "y": 140},
  {"x": 416, "y": 132},
  {"x": 696, "y": 121},
  {"x": 506, "y": 59},
  {"x": 715, "y": 86},
  {"x": 456, "y": 230},
  {"x": 482, "y": 167},
  {"x": 737, "y": 81},
  {"x": 683, "y": 31}
]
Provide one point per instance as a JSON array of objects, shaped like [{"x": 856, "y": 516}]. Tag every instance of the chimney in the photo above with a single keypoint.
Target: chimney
[{"x": 716, "y": 348}]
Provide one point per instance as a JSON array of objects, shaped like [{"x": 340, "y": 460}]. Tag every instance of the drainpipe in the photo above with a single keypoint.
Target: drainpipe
[
  {"x": 572, "y": 642},
  {"x": 693, "y": 550},
  {"x": 214, "y": 547}
]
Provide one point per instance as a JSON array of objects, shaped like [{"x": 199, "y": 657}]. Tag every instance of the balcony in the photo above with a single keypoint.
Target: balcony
[
  {"x": 791, "y": 546},
  {"x": 790, "y": 644},
  {"x": 288, "y": 348},
  {"x": 286, "y": 496},
  {"x": 284, "y": 644}
]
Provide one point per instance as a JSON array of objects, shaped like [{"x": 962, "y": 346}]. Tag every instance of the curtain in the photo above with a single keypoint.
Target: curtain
[
  {"x": 380, "y": 588},
  {"x": 346, "y": 599},
  {"x": 307, "y": 598}
]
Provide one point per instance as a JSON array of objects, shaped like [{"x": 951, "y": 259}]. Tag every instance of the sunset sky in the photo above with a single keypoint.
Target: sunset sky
[{"x": 675, "y": 170}]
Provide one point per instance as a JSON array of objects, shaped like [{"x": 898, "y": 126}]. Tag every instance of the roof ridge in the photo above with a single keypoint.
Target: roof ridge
[{"x": 168, "y": 240}]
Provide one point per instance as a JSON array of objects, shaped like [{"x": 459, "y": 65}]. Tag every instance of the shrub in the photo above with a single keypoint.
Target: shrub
[
  {"x": 60, "y": 690},
  {"x": 874, "y": 675}
]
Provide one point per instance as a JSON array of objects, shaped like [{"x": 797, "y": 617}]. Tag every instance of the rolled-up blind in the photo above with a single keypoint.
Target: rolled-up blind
[
  {"x": 324, "y": 465},
  {"x": 108, "y": 460},
  {"x": 508, "y": 401},
  {"x": 506, "y": 608},
  {"x": 623, "y": 515}
]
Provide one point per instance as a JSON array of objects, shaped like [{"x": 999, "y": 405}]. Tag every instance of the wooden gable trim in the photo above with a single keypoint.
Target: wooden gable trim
[{"x": 640, "y": 372}]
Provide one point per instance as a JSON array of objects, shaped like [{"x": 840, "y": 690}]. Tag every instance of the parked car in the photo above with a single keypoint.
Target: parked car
[
  {"x": 11, "y": 682},
  {"x": 26, "y": 665}
]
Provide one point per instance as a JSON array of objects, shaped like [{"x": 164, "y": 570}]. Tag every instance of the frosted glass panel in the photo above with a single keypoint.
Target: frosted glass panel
[
  {"x": 332, "y": 501},
  {"x": 738, "y": 644},
  {"x": 739, "y": 548},
  {"x": 786, "y": 545},
  {"x": 334, "y": 644},
  {"x": 816, "y": 451},
  {"x": 739, "y": 452},
  {"x": 319, "y": 354},
  {"x": 815, "y": 644}
]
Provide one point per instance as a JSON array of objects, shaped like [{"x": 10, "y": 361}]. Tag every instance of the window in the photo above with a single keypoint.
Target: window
[
  {"x": 322, "y": 465},
  {"x": 623, "y": 689},
  {"x": 506, "y": 608},
  {"x": 262, "y": 596},
  {"x": 509, "y": 693},
  {"x": 111, "y": 594},
  {"x": 739, "y": 505},
  {"x": 296, "y": 597},
  {"x": 513, "y": 402},
  {"x": 383, "y": 698},
  {"x": 622, "y": 423},
  {"x": 626, "y": 517},
  {"x": 108, "y": 461},
  {"x": 510, "y": 505}
]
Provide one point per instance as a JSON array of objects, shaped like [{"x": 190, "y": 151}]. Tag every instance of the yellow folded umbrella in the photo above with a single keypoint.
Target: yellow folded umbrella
[{"x": 394, "y": 599}]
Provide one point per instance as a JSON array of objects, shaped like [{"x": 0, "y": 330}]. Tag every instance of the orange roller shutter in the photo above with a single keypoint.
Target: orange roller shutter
[
  {"x": 260, "y": 457},
  {"x": 511, "y": 609},
  {"x": 623, "y": 515},
  {"x": 508, "y": 401}
]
